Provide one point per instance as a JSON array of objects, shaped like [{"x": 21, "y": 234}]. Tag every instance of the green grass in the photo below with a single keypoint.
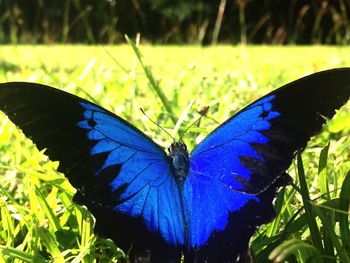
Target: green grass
[{"x": 39, "y": 221}]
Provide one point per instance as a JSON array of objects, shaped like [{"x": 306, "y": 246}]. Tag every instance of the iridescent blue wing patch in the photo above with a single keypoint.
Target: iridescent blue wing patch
[
  {"x": 219, "y": 183},
  {"x": 144, "y": 183},
  {"x": 231, "y": 147}
]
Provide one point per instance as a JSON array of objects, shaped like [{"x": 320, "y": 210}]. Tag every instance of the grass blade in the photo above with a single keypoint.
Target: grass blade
[
  {"x": 13, "y": 253},
  {"x": 314, "y": 231},
  {"x": 50, "y": 243},
  {"x": 46, "y": 208},
  {"x": 322, "y": 171},
  {"x": 154, "y": 84},
  {"x": 292, "y": 247},
  {"x": 344, "y": 204},
  {"x": 328, "y": 228}
]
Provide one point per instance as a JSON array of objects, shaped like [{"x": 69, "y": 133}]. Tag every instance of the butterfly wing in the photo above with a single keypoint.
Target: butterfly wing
[
  {"x": 235, "y": 171},
  {"x": 121, "y": 175}
]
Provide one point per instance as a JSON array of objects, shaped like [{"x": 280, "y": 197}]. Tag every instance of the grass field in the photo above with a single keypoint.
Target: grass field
[{"x": 39, "y": 222}]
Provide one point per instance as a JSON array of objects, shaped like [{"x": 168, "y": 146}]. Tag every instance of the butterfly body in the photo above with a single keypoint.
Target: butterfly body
[
  {"x": 205, "y": 205},
  {"x": 180, "y": 162}
]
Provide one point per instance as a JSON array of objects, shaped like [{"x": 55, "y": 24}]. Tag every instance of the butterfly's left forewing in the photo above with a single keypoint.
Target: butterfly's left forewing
[
  {"x": 121, "y": 175},
  {"x": 255, "y": 146},
  {"x": 235, "y": 171}
]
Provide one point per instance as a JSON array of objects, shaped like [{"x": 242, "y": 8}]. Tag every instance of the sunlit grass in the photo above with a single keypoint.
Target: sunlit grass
[{"x": 38, "y": 219}]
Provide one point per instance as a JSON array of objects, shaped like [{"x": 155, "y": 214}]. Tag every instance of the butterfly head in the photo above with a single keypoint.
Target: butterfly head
[{"x": 179, "y": 159}]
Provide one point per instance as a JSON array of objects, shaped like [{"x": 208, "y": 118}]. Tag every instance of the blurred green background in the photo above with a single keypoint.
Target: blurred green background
[{"x": 176, "y": 21}]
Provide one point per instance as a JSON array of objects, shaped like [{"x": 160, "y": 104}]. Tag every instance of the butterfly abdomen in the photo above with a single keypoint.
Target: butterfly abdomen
[{"x": 180, "y": 167}]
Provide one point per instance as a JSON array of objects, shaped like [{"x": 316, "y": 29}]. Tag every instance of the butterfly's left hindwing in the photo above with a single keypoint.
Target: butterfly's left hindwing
[{"x": 121, "y": 175}]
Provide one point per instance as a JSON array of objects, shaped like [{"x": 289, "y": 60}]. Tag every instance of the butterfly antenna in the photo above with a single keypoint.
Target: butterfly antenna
[
  {"x": 160, "y": 127},
  {"x": 202, "y": 113}
]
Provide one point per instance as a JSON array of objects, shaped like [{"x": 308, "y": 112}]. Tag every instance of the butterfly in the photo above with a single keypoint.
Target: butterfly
[{"x": 204, "y": 205}]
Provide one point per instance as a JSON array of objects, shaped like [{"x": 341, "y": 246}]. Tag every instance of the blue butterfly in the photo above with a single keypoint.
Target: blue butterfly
[{"x": 205, "y": 205}]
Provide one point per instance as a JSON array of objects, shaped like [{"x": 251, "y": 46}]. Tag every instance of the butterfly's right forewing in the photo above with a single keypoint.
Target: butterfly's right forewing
[{"x": 121, "y": 175}]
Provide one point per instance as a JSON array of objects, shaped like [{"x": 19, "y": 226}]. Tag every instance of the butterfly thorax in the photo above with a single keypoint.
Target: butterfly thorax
[{"x": 179, "y": 161}]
